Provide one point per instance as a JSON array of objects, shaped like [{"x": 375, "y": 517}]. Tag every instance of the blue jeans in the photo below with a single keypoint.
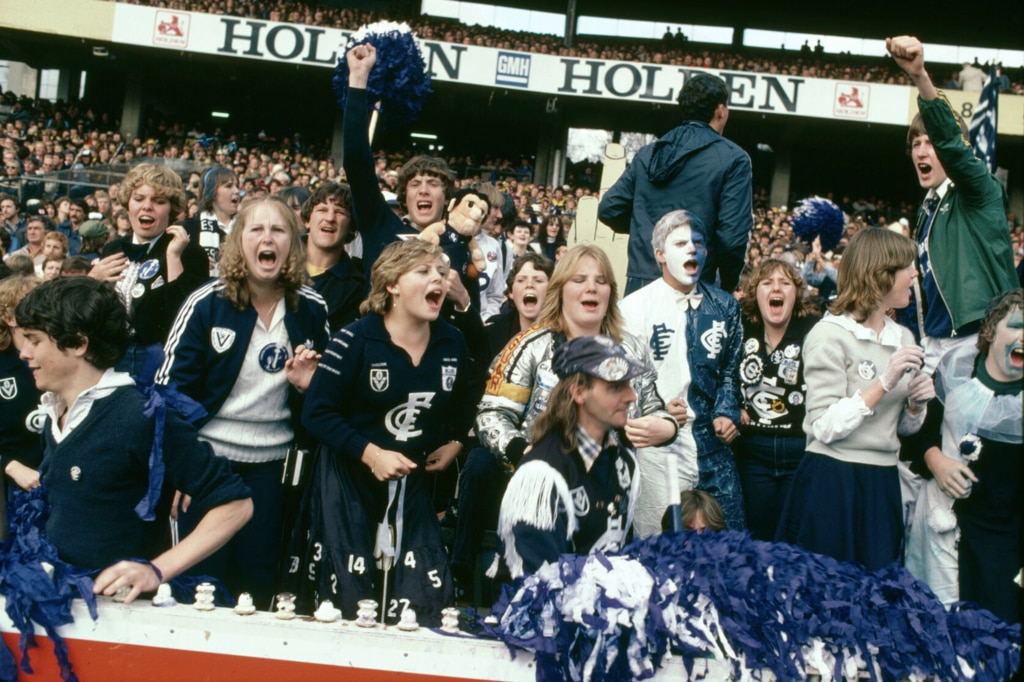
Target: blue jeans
[{"x": 766, "y": 465}]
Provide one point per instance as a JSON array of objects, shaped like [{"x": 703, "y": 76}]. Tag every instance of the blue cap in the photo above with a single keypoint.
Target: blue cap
[{"x": 600, "y": 356}]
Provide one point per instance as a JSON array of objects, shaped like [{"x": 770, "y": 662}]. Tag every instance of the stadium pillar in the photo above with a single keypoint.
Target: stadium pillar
[
  {"x": 131, "y": 111},
  {"x": 737, "y": 35},
  {"x": 336, "y": 138},
  {"x": 549, "y": 167},
  {"x": 781, "y": 177},
  {"x": 570, "y": 22},
  {"x": 69, "y": 81}
]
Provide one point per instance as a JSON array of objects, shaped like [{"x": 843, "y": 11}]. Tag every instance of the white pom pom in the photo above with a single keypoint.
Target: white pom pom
[{"x": 942, "y": 519}]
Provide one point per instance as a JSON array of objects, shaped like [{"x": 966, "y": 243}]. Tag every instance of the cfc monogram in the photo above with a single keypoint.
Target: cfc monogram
[
  {"x": 401, "y": 419},
  {"x": 661, "y": 341}
]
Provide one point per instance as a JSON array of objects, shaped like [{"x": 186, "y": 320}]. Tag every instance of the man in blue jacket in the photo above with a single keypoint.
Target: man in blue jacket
[{"x": 693, "y": 167}]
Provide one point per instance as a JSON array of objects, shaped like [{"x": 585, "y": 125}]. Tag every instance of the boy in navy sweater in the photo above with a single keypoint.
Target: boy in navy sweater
[{"x": 107, "y": 501}]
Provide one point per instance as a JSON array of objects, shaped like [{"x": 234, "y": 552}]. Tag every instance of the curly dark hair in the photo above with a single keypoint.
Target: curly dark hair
[
  {"x": 1000, "y": 306},
  {"x": 339, "y": 192},
  {"x": 432, "y": 166},
  {"x": 764, "y": 270},
  {"x": 78, "y": 310}
]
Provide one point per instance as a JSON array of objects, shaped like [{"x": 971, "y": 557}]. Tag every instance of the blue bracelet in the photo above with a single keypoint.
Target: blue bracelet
[{"x": 159, "y": 573}]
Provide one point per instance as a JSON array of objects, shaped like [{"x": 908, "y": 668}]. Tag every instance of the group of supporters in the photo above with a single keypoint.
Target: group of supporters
[{"x": 299, "y": 410}]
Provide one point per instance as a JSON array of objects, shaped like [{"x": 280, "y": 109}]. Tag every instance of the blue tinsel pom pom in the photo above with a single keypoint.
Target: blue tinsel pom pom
[
  {"x": 399, "y": 79},
  {"x": 818, "y": 217},
  {"x": 32, "y": 595},
  {"x": 758, "y": 606}
]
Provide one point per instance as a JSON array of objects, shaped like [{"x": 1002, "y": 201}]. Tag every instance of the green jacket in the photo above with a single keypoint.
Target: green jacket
[{"x": 969, "y": 245}]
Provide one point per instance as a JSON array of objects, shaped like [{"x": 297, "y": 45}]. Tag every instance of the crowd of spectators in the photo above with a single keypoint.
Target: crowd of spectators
[
  {"x": 672, "y": 49},
  {"x": 39, "y": 138}
]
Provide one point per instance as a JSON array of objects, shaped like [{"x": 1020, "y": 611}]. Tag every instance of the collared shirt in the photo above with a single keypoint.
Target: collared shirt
[
  {"x": 937, "y": 320},
  {"x": 55, "y": 406},
  {"x": 848, "y": 413},
  {"x": 589, "y": 448}
]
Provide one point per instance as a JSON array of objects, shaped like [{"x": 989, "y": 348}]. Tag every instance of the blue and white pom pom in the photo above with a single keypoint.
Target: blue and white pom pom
[
  {"x": 970, "y": 448},
  {"x": 399, "y": 81},
  {"x": 767, "y": 610},
  {"x": 819, "y": 217}
]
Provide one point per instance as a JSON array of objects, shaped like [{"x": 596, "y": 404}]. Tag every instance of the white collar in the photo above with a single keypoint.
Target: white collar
[
  {"x": 892, "y": 333},
  {"x": 148, "y": 242},
  {"x": 940, "y": 191},
  {"x": 55, "y": 407}
]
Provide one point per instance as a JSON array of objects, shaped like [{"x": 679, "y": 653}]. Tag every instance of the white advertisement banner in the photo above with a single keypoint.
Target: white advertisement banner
[{"x": 489, "y": 67}]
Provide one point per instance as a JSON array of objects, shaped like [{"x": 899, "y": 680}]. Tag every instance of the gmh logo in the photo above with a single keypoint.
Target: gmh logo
[{"x": 513, "y": 69}]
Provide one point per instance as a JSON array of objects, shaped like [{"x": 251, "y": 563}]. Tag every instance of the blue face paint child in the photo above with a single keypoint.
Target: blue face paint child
[{"x": 1005, "y": 359}]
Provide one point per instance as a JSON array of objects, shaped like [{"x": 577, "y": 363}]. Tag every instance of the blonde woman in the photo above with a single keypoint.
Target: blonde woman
[
  {"x": 581, "y": 300},
  {"x": 245, "y": 346},
  {"x": 390, "y": 401}
]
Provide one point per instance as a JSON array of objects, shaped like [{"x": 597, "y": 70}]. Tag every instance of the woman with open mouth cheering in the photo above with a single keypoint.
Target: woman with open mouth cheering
[
  {"x": 390, "y": 402},
  {"x": 776, "y": 318},
  {"x": 245, "y": 346}
]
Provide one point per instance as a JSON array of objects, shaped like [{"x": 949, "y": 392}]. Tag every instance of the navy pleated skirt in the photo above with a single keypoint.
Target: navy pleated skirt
[{"x": 852, "y": 512}]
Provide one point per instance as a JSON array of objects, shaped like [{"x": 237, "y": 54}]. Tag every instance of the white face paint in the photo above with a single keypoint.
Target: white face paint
[{"x": 684, "y": 257}]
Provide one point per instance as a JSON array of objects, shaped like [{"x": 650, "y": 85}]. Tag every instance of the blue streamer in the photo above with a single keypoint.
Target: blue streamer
[
  {"x": 399, "y": 80},
  {"x": 8, "y": 666},
  {"x": 818, "y": 217},
  {"x": 158, "y": 399},
  {"x": 32, "y": 595},
  {"x": 757, "y": 605}
]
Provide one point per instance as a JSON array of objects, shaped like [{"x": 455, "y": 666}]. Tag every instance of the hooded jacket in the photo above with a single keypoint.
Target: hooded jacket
[{"x": 693, "y": 168}]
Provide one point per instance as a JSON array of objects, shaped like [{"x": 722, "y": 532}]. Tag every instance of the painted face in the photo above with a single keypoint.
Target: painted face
[
  {"x": 424, "y": 200},
  {"x": 1005, "y": 359},
  {"x": 776, "y": 298},
  {"x": 420, "y": 291},
  {"x": 683, "y": 257},
  {"x": 930, "y": 173},
  {"x": 266, "y": 242},
  {"x": 902, "y": 288},
  {"x": 604, "y": 405},
  {"x": 528, "y": 289},
  {"x": 149, "y": 214},
  {"x": 585, "y": 298},
  {"x": 51, "y": 367},
  {"x": 226, "y": 198},
  {"x": 328, "y": 226}
]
